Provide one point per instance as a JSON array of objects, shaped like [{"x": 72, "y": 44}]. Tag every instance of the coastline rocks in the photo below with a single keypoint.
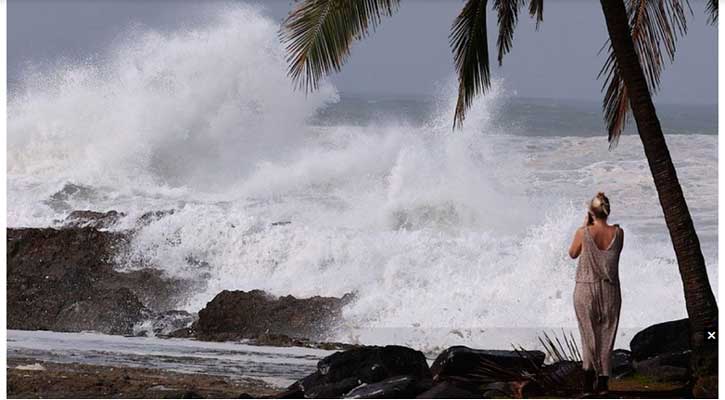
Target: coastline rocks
[
  {"x": 461, "y": 361},
  {"x": 662, "y": 351},
  {"x": 392, "y": 388},
  {"x": 92, "y": 219},
  {"x": 113, "y": 312},
  {"x": 342, "y": 372},
  {"x": 666, "y": 337},
  {"x": 447, "y": 390},
  {"x": 621, "y": 363},
  {"x": 64, "y": 280},
  {"x": 234, "y": 315}
]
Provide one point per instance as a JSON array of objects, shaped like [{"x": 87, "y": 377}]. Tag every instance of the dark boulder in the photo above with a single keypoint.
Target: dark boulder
[
  {"x": 391, "y": 388},
  {"x": 233, "y": 315},
  {"x": 666, "y": 337},
  {"x": 461, "y": 361},
  {"x": 448, "y": 390},
  {"x": 343, "y": 371},
  {"x": 64, "y": 280},
  {"x": 92, "y": 219},
  {"x": 666, "y": 367},
  {"x": 621, "y": 363},
  {"x": 113, "y": 312}
]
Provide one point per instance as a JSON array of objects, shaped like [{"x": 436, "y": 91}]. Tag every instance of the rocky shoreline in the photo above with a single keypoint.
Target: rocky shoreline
[{"x": 66, "y": 279}]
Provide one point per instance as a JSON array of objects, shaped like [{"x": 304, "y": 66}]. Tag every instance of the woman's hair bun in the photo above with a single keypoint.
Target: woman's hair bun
[{"x": 599, "y": 205}]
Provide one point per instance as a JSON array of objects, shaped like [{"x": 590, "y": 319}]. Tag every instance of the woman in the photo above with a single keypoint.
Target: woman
[{"x": 597, "y": 297}]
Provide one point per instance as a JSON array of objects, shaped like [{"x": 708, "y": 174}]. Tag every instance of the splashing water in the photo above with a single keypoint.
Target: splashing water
[{"x": 441, "y": 235}]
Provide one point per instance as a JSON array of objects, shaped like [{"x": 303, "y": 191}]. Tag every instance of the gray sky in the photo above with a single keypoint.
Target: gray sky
[{"x": 409, "y": 53}]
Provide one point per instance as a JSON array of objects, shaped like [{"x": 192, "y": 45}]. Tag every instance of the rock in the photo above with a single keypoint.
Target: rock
[
  {"x": 71, "y": 192},
  {"x": 705, "y": 387},
  {"x": 113, "y": 312},
  {"x": 153, "y": 216},
  {"x": 234, "y": 315},
  {"x": 64, "y": 280},
  {"x": 343, "y": 371},
  {"x": 621, "y": 363},
  {"x": 666, "y": 337},
  {"x": 461, "y": 361},
  {"x": 92, "y": 219},
  {"x": 182, "y": 333},
  {"x": 447, "y": 390},
  {"x": 666, "y": 367},
  {"x": 163, "y": 324},
  {"x": 392, "y": 388}
]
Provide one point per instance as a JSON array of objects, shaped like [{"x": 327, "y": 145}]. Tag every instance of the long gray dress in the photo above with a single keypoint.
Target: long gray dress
[{"x": 597, "y": 301}]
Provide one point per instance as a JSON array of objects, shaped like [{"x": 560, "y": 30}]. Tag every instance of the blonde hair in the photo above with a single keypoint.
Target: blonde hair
[{"x": 599, "y": 206}]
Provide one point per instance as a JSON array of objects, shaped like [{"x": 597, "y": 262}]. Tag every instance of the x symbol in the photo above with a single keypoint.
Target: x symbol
[{"x": 711, "y": 335}]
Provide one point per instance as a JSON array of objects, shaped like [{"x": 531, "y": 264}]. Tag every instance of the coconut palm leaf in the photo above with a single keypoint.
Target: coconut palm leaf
[
  {"x": 712, "y": 10},
  {"x": 536, "y": 8},
  {"x": 318, "y": 34},
  {"x": 469, "y": 41},
  {"x": 655, "y": 25},
  {"x": 508, "y": 15}
]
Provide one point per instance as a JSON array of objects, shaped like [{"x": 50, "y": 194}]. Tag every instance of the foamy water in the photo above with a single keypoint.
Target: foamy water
[{"x": 442, "y": 235}]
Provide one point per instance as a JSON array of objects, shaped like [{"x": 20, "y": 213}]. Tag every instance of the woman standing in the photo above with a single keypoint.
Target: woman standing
[{"x": 597, "y": 296}]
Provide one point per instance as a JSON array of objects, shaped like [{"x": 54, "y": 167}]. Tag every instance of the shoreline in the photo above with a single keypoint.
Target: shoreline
[{"x": 32, "y": 378}]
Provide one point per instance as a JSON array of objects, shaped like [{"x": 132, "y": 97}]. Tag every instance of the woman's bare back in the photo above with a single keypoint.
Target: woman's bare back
[{"x": 603, "y": 235}]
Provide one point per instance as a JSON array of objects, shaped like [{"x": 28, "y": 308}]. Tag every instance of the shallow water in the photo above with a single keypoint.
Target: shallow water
[{"x": 278, "y": 366}]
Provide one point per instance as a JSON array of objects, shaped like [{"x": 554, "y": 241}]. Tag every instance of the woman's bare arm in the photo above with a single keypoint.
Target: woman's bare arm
[{"x": 576, "y": 244}]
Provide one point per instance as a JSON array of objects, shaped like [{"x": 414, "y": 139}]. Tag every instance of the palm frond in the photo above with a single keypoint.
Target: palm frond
[
  {"x": 469, "y": 41},
  {"x": 655, "y": 27},
  {"x": 536, "y": 8},
  {"x": 508, "y": 16},
  {"x": 318, "y": 34},
  {"x": 712, "y": 10}
]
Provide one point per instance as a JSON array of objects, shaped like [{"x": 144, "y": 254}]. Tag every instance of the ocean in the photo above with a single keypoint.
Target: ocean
[{"x": 445, "y": 237}]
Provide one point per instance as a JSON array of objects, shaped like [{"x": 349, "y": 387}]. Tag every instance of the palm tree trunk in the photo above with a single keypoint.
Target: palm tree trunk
[{"x": 699, "y": 299}]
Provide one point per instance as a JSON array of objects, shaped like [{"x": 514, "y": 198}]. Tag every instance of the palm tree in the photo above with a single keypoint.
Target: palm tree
[{"x": 642, "y": 33}]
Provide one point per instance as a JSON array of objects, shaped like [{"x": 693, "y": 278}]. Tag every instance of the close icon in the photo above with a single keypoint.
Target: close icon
[{"x": 711, "y": 335}]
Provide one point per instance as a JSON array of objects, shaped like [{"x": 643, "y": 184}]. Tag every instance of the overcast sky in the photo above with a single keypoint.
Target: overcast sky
[{"x": 408, "y": 55}]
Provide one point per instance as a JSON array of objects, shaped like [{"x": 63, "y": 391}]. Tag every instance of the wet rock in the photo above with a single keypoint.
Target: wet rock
[
  {"x": 114, "y": 312},
  {"x": 234, "y": 315},
  {"x": 621, "y": 363},
  {"x": 153, "y": 216},
  {"x": 64, "y": 280},
  {"x": 666, "y": 367},
  {"x": 92, "y": 219},
  {"x": 666, "y": 337},
  {"x": 461, "y": 361},
  {"x": 59, "y": 201},
  {"x": 164, "y": 323},
  {"x": 392, "y": 388},
  {"x": 447, "y": 390},
  {"x": 341, "y": 372}
]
